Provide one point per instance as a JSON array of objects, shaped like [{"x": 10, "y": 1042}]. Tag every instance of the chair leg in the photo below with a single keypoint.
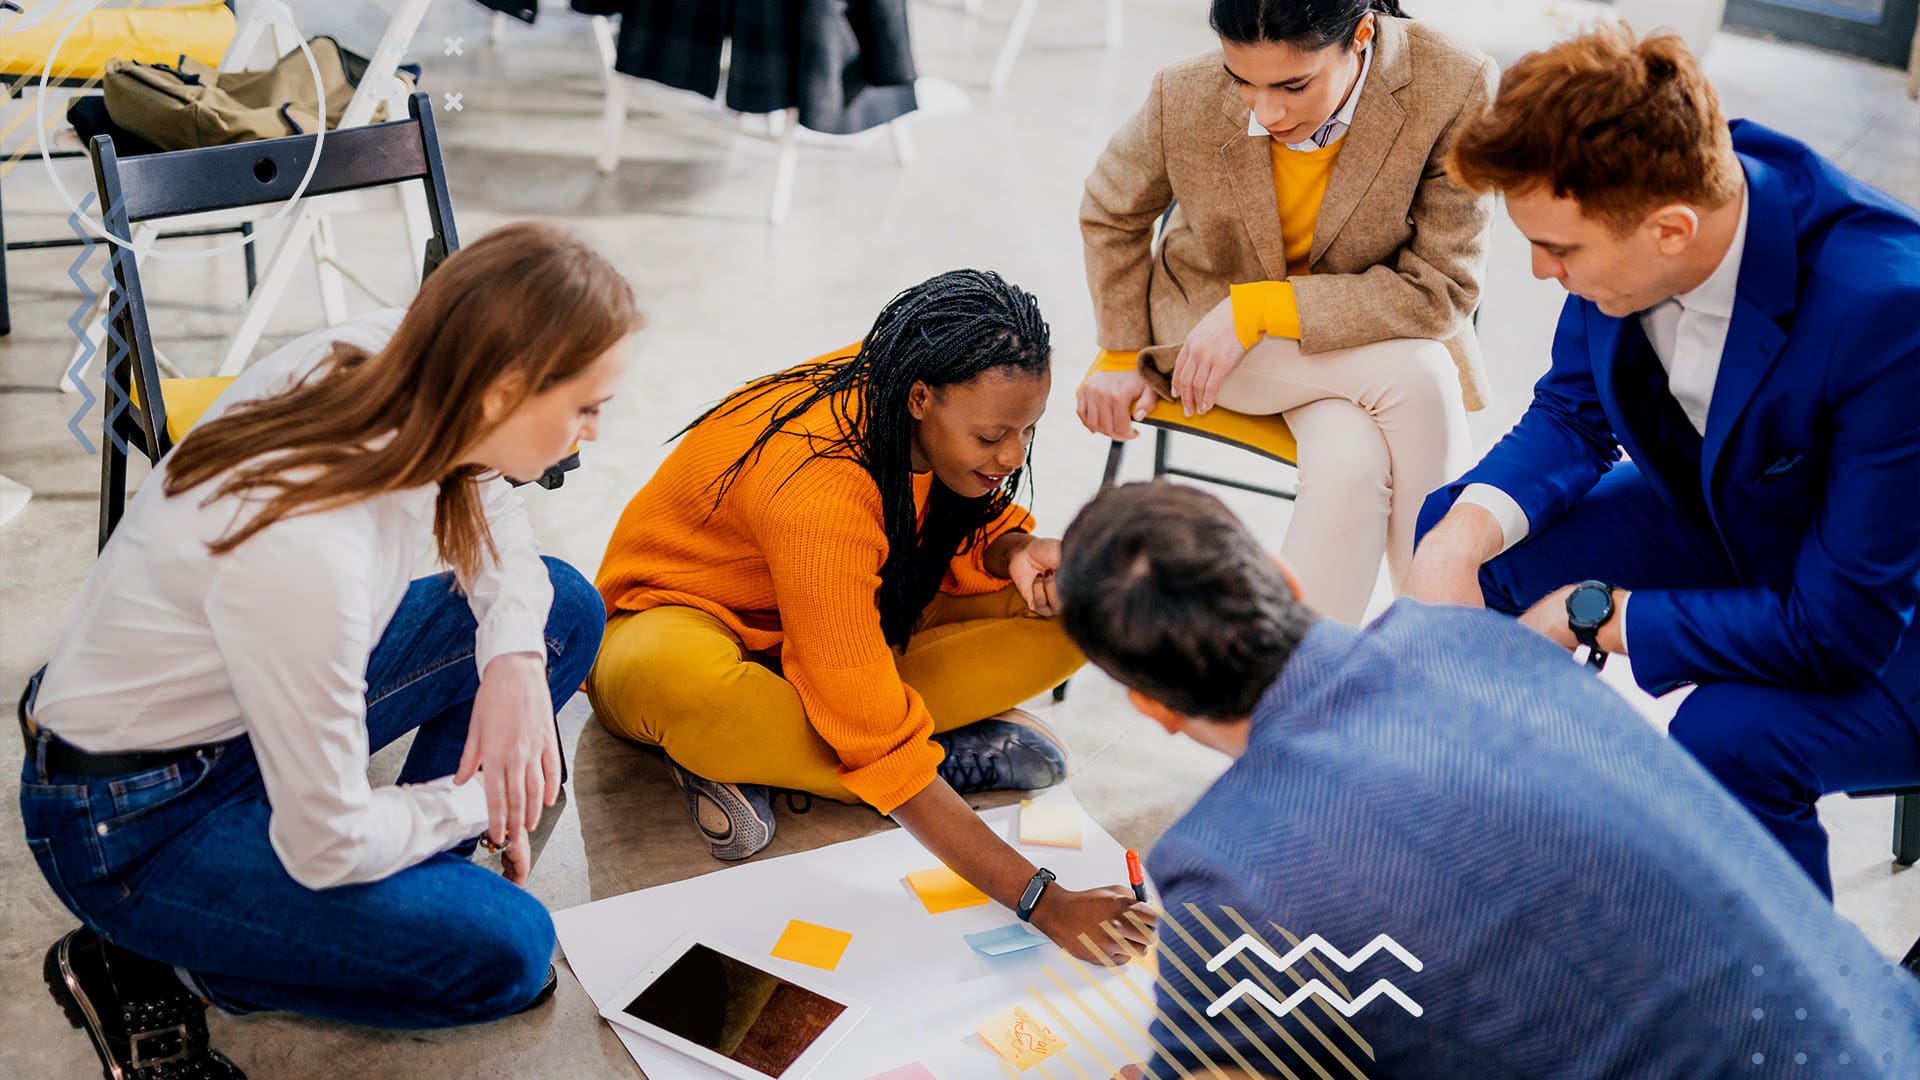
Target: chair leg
[
  {"x": 6, "y": 311},
  {"x": 1162, "y": 443},
  {"x": 1010, "y": 49},
  {"x": 1115, "y": 454},
  {"x": 253, "y": 261},
  {"x": 613, "y": 112},
  {"x": 784, "y": 169},
  {"x": 1906, "y": 829},
  {"x": 113, "y": 480}
]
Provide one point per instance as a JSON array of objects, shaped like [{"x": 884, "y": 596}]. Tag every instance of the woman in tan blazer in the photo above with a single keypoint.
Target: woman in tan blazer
[{"x": 1317, "y": 263}]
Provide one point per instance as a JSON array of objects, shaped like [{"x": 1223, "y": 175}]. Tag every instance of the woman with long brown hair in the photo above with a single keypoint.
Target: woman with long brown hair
[{"x": 195, "y": 786}]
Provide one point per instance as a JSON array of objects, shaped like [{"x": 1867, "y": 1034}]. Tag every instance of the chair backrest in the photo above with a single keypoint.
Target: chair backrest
[{"x": 216, "y": 178}]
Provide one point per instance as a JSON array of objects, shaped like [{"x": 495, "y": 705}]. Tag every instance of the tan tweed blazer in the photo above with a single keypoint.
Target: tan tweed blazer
[{"x": 1399, "y": 249}]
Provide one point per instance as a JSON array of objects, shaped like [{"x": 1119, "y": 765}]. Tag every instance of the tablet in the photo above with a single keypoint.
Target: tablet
[{"x": 736, "y": 1015}]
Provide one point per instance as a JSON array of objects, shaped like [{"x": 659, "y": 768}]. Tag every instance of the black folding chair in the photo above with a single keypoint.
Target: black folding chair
[{"x": 183, "y": 182}]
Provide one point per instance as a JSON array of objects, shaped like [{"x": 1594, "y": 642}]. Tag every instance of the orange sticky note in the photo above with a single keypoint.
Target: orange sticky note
[
  {"x": 1022, "y": 1040},
  {"x": 940, "y": 889},
  {"x": 1055, "y": 824},
  {"x": 816, "y": 946}
]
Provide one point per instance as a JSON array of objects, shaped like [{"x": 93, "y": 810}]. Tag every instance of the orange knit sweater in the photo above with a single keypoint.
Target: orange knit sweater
[{"x": 790, "y": 561}]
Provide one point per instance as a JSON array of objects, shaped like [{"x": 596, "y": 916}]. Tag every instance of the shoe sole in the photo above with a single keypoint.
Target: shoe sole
[
  {"x": 1027, "y": 720},
  {"x": 740, "y": 846},
  {"x": 64, "y": 985}
]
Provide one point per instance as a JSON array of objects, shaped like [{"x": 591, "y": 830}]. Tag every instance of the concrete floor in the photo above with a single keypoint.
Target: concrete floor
[{"x": 994, "y": 185}]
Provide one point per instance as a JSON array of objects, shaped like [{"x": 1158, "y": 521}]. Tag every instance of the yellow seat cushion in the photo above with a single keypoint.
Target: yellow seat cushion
[
  {"x": 151, "y": 35},
  {"x": 186, "y": 401},
  {"x": 1268, "y": 435}
]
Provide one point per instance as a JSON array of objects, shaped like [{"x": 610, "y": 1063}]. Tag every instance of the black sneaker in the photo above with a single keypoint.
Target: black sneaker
[
  {"x": 736, "y": 820},
  {"x": 143, "y": 1022},
  {"x": 1010, "y": 752}
]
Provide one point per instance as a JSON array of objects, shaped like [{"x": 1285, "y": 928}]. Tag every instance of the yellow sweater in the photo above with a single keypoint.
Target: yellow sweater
[
  {"x": 1267, "y": 308},
  {"x": 790, "y": 561}
]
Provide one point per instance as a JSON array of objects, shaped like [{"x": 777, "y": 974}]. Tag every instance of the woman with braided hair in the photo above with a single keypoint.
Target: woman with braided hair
[{"x": 827, "y": 588}]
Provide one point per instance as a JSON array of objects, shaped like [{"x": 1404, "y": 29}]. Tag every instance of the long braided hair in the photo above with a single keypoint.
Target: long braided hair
[{"x": 948, "y": 330}]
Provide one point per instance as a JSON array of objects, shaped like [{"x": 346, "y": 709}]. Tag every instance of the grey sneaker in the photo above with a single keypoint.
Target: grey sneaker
[
  {"x": 735, "y": 819},
  {"x": 1010, "y": 752}
]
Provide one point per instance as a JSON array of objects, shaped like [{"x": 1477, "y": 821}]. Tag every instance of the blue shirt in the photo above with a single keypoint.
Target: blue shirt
[{"x": 1582, "y": 898}]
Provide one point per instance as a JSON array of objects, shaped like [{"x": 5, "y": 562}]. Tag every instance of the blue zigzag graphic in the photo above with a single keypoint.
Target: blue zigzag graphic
[
  {"x": 77, "y": 323},
  {"x": 119, "y": 398}
]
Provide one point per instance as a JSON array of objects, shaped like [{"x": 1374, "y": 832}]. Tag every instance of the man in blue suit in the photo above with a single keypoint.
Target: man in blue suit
[{"x": 1745, "y": 325}]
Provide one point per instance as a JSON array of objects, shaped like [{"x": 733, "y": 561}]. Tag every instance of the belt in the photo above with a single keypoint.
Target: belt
[{"x": 61, "y": 756}]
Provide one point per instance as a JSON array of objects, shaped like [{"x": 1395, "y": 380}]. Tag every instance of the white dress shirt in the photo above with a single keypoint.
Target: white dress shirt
[
  {"x": 169, "y": 646},
  {"x": 1689, "y": 334},
  {"x": 1337, "y": 124}
]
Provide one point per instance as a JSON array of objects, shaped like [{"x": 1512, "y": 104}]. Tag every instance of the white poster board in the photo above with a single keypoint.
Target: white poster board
[{"x": 929, "y": 991}]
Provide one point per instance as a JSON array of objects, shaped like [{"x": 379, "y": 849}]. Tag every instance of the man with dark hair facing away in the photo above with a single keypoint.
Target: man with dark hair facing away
[
  {"x": 1744, "y": 324},
  {"x": 1573, "y": 895}
]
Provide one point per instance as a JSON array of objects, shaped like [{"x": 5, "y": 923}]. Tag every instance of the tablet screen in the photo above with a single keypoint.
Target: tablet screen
[{"x": 735, "y": 1009}]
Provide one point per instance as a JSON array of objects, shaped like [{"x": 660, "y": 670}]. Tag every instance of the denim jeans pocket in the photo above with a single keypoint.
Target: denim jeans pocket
[
  {"x": 50, "y": 869},
  {"x": 137, "y": 795},
  {"x": 149, "y": 809}
]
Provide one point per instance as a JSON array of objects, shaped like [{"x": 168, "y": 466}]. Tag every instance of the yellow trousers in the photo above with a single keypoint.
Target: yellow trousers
[{"x": 677, "y": 678}]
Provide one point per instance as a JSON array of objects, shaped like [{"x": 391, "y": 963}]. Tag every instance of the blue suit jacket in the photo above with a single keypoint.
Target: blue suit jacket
[
  {"x": 1583, "y": 900},
  {"x": 1811, "y": 461}
]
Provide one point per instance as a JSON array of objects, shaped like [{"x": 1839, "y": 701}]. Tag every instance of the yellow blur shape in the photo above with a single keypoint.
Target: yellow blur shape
[
  {"x": 1023, "y": 1041},
  {"x": 811, "y": 944},
  {"x": 1054, "y": 824},
  {"x": 940, "y": 889}
]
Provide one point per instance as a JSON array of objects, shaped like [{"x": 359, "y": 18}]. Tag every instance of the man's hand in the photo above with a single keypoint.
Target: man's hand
[
  {"x": 1211, "y": 352},
  {"x": 1079, "y": 923},
  {"x": 1446, "y": 565},
  {"x": 1031, "y": 567},
  {"x": 512, "y": 743},
  {"x": 1109, "y": 401},
  {"x": 1548, "y": 618}
]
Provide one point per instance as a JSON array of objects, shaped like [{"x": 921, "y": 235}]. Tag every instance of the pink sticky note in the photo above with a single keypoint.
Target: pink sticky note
[{"x": 915, "y": 1071}]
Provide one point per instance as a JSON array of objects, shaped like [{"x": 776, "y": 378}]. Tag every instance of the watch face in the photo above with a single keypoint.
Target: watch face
[{"x": 1589, "y": 607}]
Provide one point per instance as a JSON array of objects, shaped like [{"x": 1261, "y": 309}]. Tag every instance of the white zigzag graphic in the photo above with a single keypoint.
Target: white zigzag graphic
[
  {"x": 1313, "y": 942},
  {"x": 1314, "y": 988}
]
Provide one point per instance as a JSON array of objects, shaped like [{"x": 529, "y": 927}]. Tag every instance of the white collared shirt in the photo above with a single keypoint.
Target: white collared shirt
[
  {"x": 168, "y": 645},
  {"x": 1337, "y": 124},
  {"x": 1689, "y": 334}
]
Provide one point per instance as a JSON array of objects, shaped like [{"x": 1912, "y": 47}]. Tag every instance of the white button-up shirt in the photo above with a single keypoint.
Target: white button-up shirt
[
  {"x": 1337, "y": 124},
  {"x": 1689, "y": 334},
  {"x": 169, "y": 646}
]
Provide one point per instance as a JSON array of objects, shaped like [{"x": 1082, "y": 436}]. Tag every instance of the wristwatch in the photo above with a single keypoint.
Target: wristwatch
[
  {"x": 1035, "y": 888},
  {"x": 1589, "y": 607}
]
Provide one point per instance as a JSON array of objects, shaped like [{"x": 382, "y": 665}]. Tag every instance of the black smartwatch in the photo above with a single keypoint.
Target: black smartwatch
[
  {"x": 1035, "y": 887},
  {"x": 1589, "y": 606}
]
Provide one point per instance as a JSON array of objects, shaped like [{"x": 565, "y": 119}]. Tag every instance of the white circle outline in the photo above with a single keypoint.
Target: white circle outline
[{"x": 46, "y": 158}]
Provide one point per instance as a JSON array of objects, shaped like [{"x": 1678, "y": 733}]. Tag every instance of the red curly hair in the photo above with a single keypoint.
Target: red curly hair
[{"x": 1622, "y": 126}]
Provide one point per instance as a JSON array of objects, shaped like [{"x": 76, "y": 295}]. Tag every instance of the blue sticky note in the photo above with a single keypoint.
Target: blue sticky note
[{"x": 1000, "y": 941}]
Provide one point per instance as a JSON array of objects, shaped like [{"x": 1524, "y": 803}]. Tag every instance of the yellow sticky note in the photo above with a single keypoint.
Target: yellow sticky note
[
  {"x": 1022, "y": 1040},
  {"x": 940, "y": 889},
  {"x": 816, "y": 946},
  {"x": 1055, "y": 824}
]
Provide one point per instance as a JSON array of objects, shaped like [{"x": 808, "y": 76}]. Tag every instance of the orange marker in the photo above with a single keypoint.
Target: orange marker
[{"x": 1134, "y": 876}]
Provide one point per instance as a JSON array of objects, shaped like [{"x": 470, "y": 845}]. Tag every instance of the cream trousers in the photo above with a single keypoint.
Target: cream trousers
[{"x": 1379, "y": 427}]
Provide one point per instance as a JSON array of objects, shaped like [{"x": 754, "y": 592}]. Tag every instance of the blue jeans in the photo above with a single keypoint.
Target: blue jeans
[
  {"x": 1775, "y": 748},
  {"x": 174, "y": 863}
]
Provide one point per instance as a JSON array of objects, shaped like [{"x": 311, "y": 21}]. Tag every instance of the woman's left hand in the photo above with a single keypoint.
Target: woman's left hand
[
  {"x": 1031, "y": 567},
  {"x": 1210, "y": 353},
  {"x": 516, "y": 859}
]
